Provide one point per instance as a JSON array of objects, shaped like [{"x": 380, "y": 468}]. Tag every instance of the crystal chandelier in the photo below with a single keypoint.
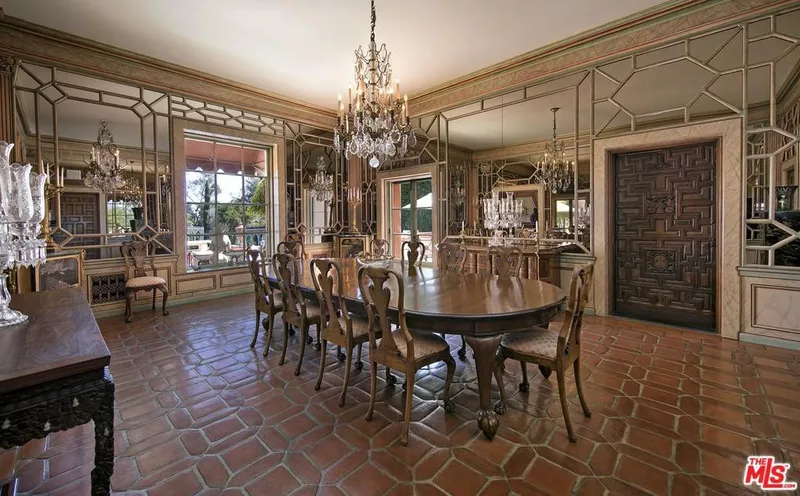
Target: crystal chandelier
[
  {"x": 376, "y": 125},
  {"x": 22, "y": 210},
  {"x": 501, "y": 213},
  {"x": 105, "y": 172},
  {"x": 554, "y": 171},
  {"x": 322, "y": 182}
]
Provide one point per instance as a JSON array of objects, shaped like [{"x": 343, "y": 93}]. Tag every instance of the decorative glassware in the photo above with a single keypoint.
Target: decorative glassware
[
  {"x": 22, "y": 205},
  {"x": 502, "y": 213}
]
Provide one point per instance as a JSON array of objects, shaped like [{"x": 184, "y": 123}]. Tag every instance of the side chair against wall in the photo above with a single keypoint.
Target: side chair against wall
[
  {"x": 553, "y": 350},
  {"x": 297, "y": 312},
  {"x": 505, "y": 261},
  {"x": 267, "y": 300},
  {"x": 342, "y": 329},
  {"x": 452, "y": 259},
  {"x": 379, "y": 246},
  {"x": 136, "y": 255},
  {"x": 401, "y": 348},
  {"x": 298, "y": 234},
  {"x": 412, "y": 251},
  {"x": 294, "y": 247}
]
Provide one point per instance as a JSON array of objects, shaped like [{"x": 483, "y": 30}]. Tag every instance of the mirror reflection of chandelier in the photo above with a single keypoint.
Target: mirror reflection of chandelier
[
  {"x": 376, "y": 125},
  {"x": 553, "y": 170},
  {"x": 322, "y": 182},
  {"x": 105, "y": 172}
]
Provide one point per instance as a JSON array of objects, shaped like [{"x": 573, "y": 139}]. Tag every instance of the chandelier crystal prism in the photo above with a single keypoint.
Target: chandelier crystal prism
[
  {"x": 376, "y": 124},
  {"x": 105, "y": 172},
  {"x": 553, "y": 169}
]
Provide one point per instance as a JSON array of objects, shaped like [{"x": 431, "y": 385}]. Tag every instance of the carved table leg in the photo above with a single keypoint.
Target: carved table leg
[
  {"x": 485, "y": 350},
  {"x": 103, "y": 419}
]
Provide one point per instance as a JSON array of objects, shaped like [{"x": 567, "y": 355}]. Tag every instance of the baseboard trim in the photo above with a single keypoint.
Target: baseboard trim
[
  {"x": 101, "y": 314},
  {"x": 769, "y": 341}
]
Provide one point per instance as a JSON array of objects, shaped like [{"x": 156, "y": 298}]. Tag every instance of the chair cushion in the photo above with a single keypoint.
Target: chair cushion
[
  {"x": 144, "y": 282},
  {"x": 424, "y": 344},
  {"x": 537, "y": 342},
  {"x": 360, "y": 326}
]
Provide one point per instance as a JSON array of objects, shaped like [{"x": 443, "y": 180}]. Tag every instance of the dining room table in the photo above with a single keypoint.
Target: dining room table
[{"x": 480, "y": 307}]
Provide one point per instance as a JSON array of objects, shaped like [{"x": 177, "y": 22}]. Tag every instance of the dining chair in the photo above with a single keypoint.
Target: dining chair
[
  {"x": 136, "y": 255},
  {"x": 505, "y": 261},
  {"x": 298, "y": 234},
  {"x": 293, "y": 247},
  {"x": 552, "y": 350},
  {"x": 400, "y": 348},
  {"x": 267, "y": 300},
  {"x": 414, "y": 253},
  {"x": 297, "y": 311},
  {"x": 379, "y": 246},
  {"x": 452, "y": 259},
  {"x": 340, "y": 326}
]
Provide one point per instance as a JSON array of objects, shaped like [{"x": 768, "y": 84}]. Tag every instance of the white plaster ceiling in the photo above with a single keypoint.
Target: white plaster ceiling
[{"x": 304, "y": 48}]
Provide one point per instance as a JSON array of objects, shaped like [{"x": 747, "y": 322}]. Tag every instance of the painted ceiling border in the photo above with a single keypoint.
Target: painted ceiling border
[
  {"x": 35, "y": 43},
  {"x": 647, "y": 29}
]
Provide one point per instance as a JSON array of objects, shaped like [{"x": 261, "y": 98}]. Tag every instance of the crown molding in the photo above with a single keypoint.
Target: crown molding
[
  {"x": 44, "y": 45},
  {"x": 652, "y": 27}
]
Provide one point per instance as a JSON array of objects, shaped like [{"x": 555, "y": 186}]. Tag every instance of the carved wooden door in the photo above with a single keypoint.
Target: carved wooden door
[
  {"x": 664, "y": 235},
  {"x": 80, "y": 214}
]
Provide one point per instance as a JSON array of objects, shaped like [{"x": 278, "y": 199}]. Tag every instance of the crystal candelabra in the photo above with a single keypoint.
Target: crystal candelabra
[
  {"x": 322, "y": 182},
  {"x": 376, "y": 125},
  {"x": 51, "y": 190},
  {"x": 500, "y": 214},
  {"x": 354, "y": 200},
  {"x": 23, "y": 208}
]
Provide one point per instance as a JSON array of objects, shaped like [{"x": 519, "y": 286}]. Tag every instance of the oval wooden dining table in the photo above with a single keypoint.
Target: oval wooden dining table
[{"x": 479, "y": 307}]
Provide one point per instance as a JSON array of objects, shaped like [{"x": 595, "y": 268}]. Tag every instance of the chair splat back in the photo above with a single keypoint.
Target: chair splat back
[
  {"x": 137, "y": 254},
  {"x": 506, "y": 261},
  {"x": 376, "y": 284},
  {"x": 414, "y": 251},
  {"x": 293, "y": 247},
  {"x": 569, "y": 338},
  {"x": 327, "y": 274},
  {"x": 287, "y": 269},
  {"x": 452, "y": 257},
  {"x": 379, "y": 246}
]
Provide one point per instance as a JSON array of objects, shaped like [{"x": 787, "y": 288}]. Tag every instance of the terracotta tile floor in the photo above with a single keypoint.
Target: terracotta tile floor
[{"x": 198, "y": 412}]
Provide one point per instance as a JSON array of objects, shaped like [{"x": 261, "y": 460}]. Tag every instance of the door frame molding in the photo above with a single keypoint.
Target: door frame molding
[
  {"x": 612, "y": 241},
  {"x": 728, "y": 133}
]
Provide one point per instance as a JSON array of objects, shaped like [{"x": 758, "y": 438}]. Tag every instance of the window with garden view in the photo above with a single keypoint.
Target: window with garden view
[{"x": 227, "y": 186}]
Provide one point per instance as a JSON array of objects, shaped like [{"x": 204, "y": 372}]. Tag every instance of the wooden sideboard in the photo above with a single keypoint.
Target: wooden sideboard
[{"x": 546, "y": 263}]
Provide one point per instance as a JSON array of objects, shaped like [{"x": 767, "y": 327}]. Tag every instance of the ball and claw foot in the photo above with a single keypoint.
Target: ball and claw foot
[
  {"x": 341, "y": 356},
  {"x": 404, "y": 385},
  {"x": 449, "y": 406},
  {"x": 291, "y": 331},
  {"x": 392, "y": 380},
  {"x": 309, "y": 340},
  {"x": 524, "y": 387},
  {"x": 499, "y": 408},
  {"x": 359, "y": 365},
  {"x": 165, "y": 312},
  {"x": 488, "y": 423},
  {"x": 128, "y": 320},
  {"x": 317, "y": 345},
  {"x": 462, "y": 353},
  {"x": 546, "y": 371}
]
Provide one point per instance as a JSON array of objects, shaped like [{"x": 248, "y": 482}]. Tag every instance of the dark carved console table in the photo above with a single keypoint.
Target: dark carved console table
[{"x": 54, "y": 376}]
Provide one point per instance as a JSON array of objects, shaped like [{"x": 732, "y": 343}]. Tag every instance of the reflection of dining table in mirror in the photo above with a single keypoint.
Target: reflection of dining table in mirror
[{"x": 479, "y": 307}]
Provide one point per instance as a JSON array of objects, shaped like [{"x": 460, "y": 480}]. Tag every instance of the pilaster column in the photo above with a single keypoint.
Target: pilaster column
[{"x": 7, "y": 101}]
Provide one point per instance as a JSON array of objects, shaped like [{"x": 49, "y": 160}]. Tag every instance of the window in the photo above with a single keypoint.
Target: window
[
  {"x": 227, "y": 187},
  {"x": 411, "y": 214},
  {"x": 119, "y": 214}
]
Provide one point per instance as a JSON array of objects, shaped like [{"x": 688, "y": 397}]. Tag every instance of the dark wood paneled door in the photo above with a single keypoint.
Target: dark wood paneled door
[{"x": 664, "y": 235}]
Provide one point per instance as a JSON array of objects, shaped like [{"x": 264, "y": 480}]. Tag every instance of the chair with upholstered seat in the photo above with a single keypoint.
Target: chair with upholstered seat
[
  {"x": 293, "y": 247},
  {"x": 400, "y": 349},
  {"x": 452, "y": 260},
  {"x": 505, "y": 261},
  {"x": 550, "y": 349},
  {"x": 379, "y": 247},
  {"x": 340, "y": 326},
  {"x": 136, "y": 255},
  {"x": 267, "y": 300},
  {"x": 297, "y": 311},
  {"x": 413, "y": 251}
]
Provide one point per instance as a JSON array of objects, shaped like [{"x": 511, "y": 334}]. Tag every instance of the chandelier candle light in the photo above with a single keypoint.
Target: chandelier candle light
[
  {"x": 22, "y": 210},
  {"x": 554, "y": 170},
  {"x": 354, "y": 200},
  {"x": 377, "y": 124},
  {"x": 105, "y": 172},
  {"x": 501, "y": 213}
]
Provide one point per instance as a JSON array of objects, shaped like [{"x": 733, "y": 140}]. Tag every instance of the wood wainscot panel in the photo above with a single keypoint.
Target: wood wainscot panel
[
  {"x": 229, "y": 280},
  {"x": 775, "y": 309},
  {"x": 190, "y": 285}
]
